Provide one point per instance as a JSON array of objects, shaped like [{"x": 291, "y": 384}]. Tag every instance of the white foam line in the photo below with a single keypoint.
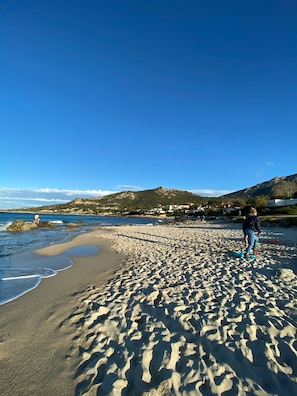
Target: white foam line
[{"x": 21, "y": 277}]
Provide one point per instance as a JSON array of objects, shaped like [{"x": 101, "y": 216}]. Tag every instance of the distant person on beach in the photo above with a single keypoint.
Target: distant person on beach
[
  {"x": 251, "y": 226},
  {"x": 36, "y": 219}
]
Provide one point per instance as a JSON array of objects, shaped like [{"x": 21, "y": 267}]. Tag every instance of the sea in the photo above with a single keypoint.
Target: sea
[{"x": 21, "y": 270}]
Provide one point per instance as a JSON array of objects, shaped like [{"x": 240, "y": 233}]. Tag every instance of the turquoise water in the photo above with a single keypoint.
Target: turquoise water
[{"x": 21, "y": 270}]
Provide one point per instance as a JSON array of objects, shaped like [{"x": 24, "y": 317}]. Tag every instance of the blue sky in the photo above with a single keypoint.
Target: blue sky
[{"x": 104, "y": 96}]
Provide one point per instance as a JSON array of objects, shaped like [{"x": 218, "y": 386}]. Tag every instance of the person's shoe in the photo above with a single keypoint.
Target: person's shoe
[
  {"x": 255, "y": 252},
  {"x": 246, "y": 255}
]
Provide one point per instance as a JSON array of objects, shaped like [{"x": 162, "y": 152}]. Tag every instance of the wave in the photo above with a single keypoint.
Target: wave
[
  {"x": 3, "y": 226},
  {"x": 25, "y": 273},
  {"x": 13, "y": 289}
]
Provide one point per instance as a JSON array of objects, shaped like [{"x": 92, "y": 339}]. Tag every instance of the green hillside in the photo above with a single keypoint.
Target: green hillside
[{"x": 127, "y": 201}]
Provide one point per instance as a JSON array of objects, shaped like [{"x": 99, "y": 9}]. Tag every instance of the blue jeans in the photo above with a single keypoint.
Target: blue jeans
[{"x": 253, "y": 240}]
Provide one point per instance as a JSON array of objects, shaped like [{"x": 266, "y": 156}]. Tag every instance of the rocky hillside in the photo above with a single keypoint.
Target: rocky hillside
[
  {"x": 148, "y": 198},
  {"x": 129, "y": 201},
  {"x": 278, "y": 187}
]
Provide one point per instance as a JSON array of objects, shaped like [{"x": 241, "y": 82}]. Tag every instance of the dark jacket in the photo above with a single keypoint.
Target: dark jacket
[{"x": 252, "y": 222}]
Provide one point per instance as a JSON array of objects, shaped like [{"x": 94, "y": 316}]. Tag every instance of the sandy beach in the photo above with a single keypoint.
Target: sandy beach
[{"x": 160, "y": 310}]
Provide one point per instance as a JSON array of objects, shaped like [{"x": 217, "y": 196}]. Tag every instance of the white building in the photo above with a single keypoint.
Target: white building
[{"x": 281, "y": 202}]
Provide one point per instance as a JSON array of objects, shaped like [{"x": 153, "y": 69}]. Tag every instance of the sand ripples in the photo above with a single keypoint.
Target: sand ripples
[{"x": 185, "y": 317}]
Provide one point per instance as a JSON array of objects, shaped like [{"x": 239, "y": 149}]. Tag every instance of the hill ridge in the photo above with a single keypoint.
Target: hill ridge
[
  {"x": 277, "y": 187},
  {"x": 136, "y": 201}
]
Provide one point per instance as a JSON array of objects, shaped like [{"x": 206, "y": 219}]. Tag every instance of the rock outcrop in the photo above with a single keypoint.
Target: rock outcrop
[
  {"x": 22, "y": 225},
  {"x": 46, "y": 224},
  {"x": 79, "y": 223}
]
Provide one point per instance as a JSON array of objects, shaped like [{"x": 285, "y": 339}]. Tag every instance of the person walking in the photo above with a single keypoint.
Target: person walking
[{"x": 252, "y": 226}]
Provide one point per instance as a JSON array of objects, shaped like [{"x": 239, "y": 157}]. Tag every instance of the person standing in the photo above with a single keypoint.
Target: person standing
[{"x": 252, "y": 226}]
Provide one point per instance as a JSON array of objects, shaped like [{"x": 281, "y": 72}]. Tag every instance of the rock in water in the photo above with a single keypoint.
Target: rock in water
[{"x": 21, "y": 225}]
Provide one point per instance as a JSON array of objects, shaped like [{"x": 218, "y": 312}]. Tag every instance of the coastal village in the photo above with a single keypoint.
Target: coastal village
[{"x": 163, "y": 211}]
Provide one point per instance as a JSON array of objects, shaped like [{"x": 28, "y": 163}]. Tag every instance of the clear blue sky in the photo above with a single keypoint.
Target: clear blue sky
[{"x": 103, "y": 96}]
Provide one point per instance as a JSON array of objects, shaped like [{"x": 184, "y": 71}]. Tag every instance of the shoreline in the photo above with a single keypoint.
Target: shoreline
[
  {"x": 34, "y": 351},
  {"x": 176, "y": 313}
]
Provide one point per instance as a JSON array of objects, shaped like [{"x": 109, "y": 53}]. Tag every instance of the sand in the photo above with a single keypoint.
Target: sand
[
  {"x": 34, "y": 350},
  {"x": 177, "y": 315}
]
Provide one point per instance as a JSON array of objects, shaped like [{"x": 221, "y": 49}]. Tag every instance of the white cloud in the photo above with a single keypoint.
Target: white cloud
[
  {"x": 211, "y": 193},
  {"x": 129, "y": 187},
  {"x": 36, "y": 199},
  {"x": 269, "y": 163},
  {"x": 95, "y": 193},
  {"x": 13, "y": 198}
]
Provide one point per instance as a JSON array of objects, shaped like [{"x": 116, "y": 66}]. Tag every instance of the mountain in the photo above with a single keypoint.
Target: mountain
[
  {"x": 128, "y": 201},
  {"x": 147, "y": 198},
  {"x": 135, "y": 202},
  {"x": 278, "y": 187}
]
